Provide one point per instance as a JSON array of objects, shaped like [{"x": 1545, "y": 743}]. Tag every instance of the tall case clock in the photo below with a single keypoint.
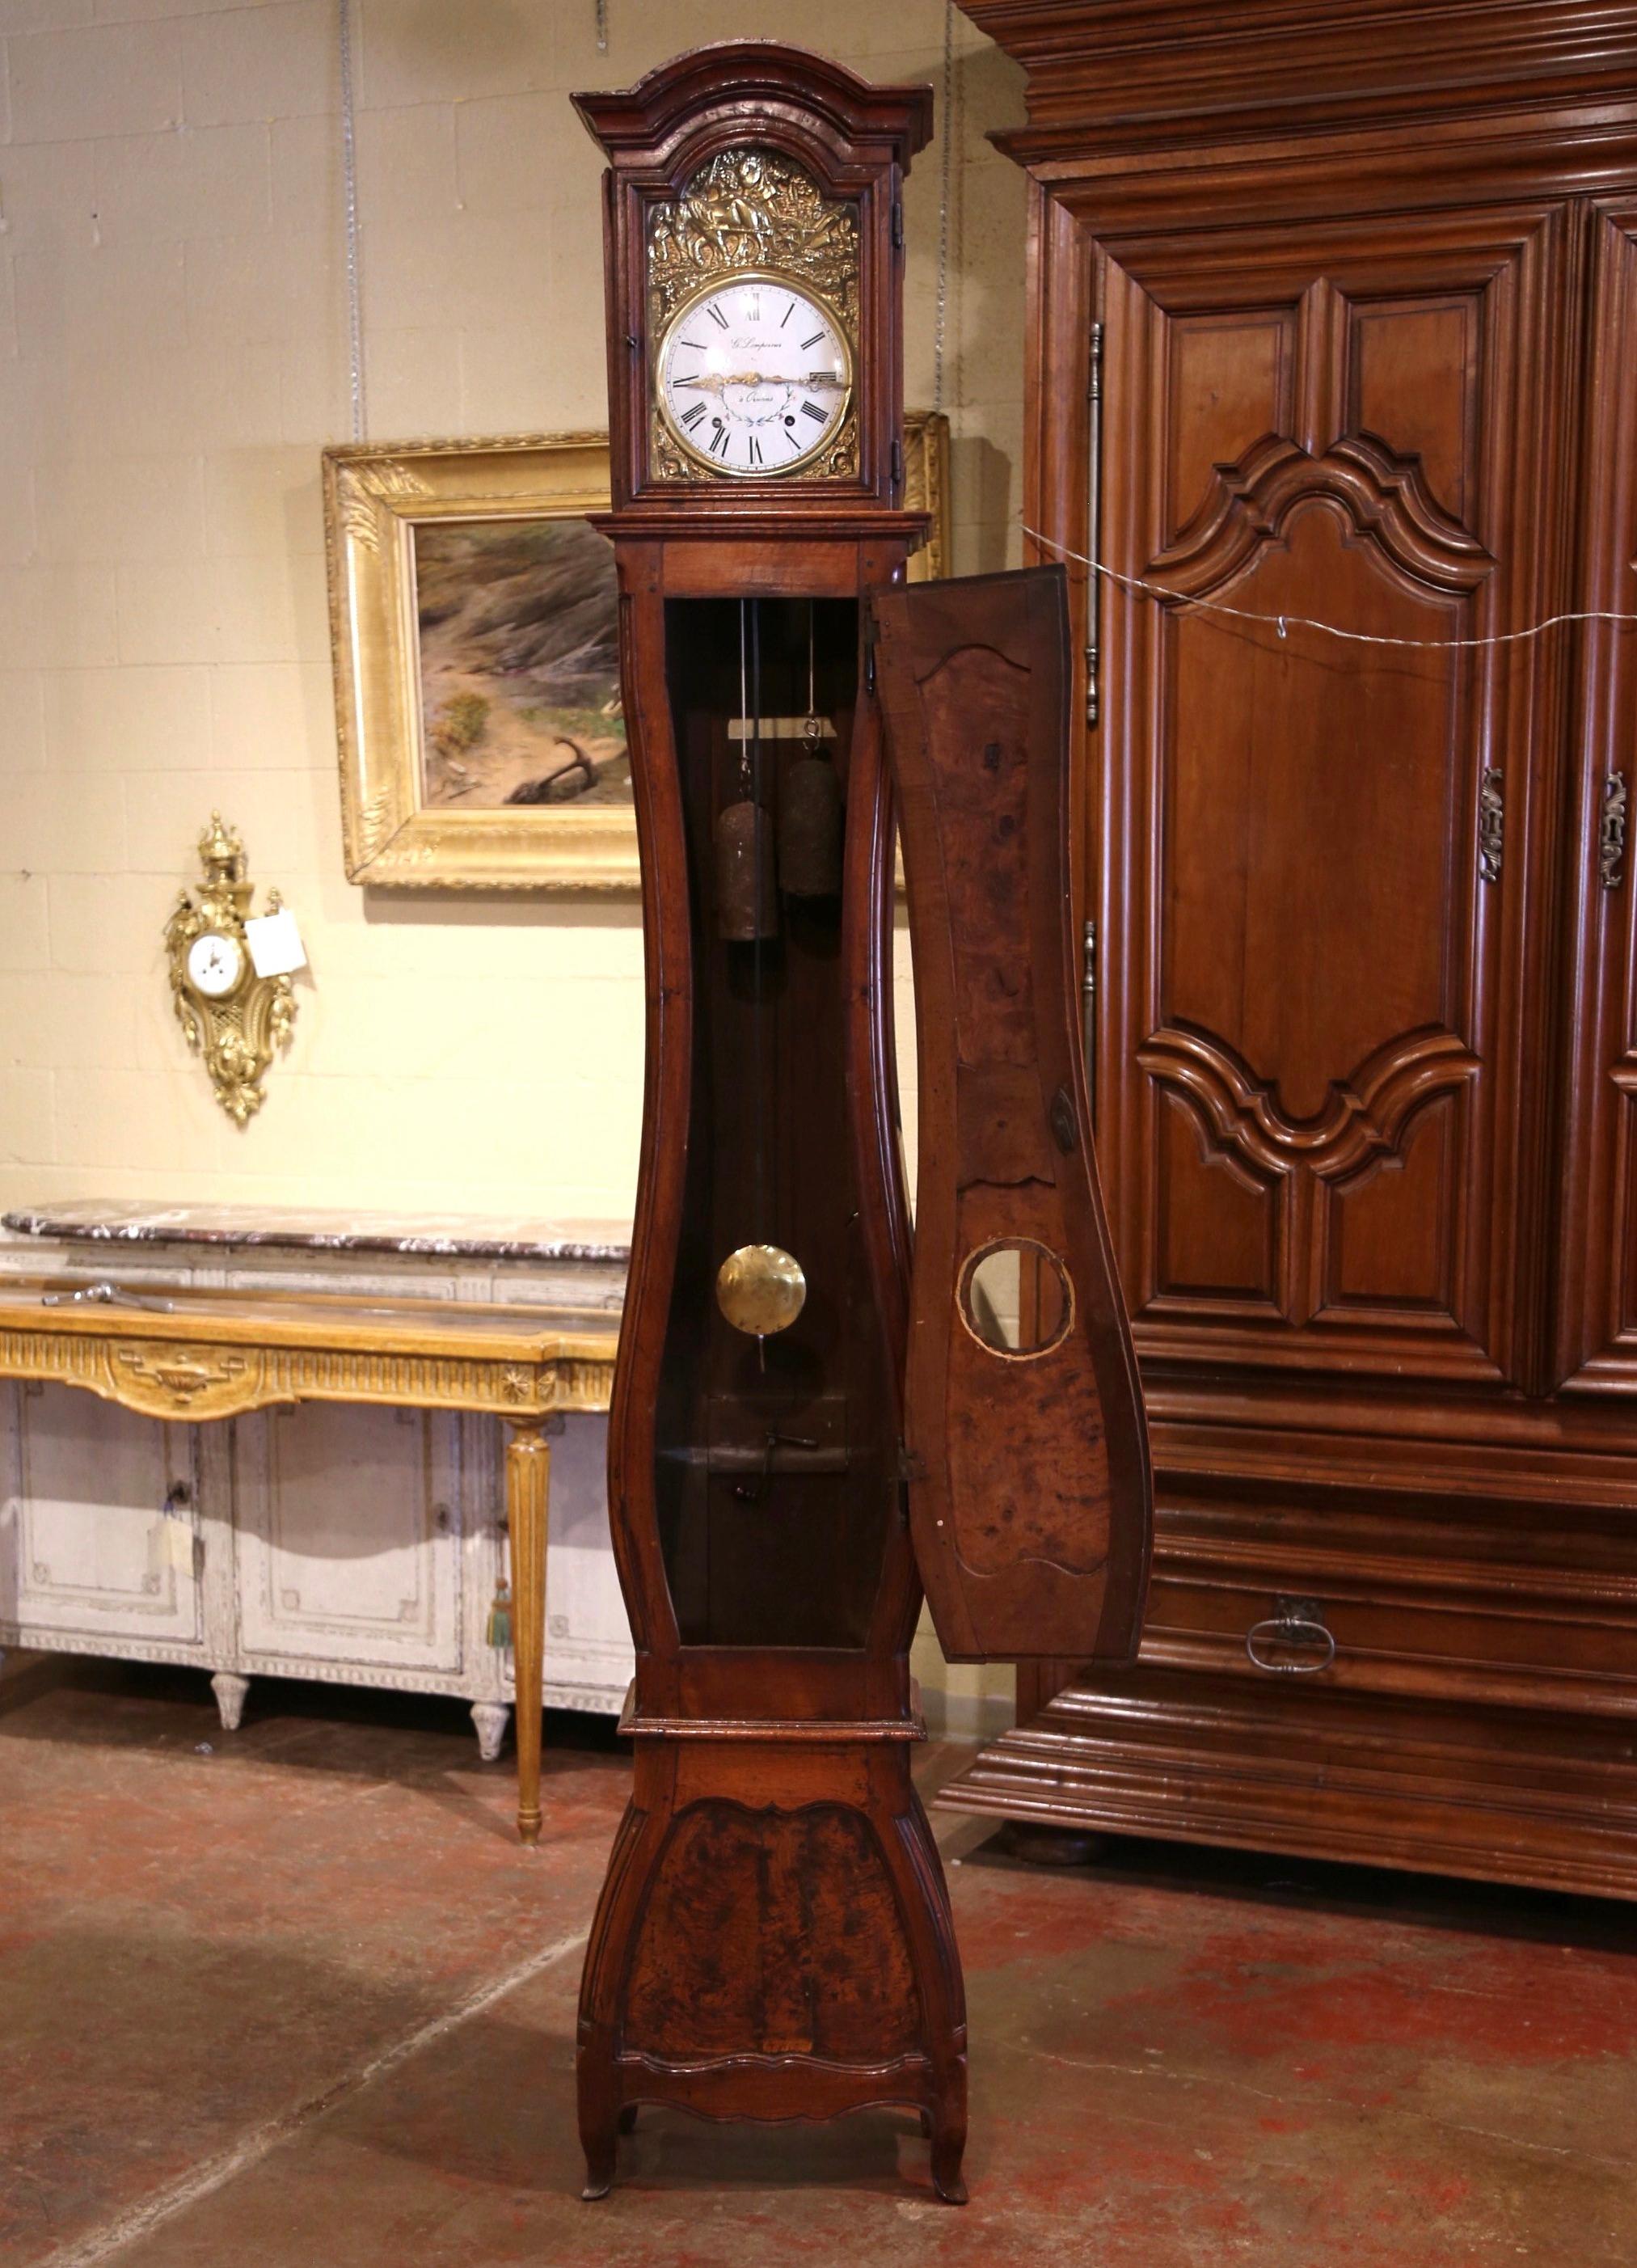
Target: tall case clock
[{"x": 807, "y": 1434}]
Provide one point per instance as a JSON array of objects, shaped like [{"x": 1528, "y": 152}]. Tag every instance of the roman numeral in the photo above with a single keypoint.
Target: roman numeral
[
  {"x": 691, "y": 417},
  {"x": 718, "y": 318},
  {"x": 755, "y": 450},
  {"x": 811, "y": 342},
  {"x": 752, "y": 308},
  {"x": 697, "y": 344},
  {"x": 719, "y": 442},
  {"x": 811, "y": 409},
  {"x": 785, "y": 317}
]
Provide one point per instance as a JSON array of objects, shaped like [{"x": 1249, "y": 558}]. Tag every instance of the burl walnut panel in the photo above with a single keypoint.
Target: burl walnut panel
[
  {"x": 1029, "y": 1477},
  {"x": 771, "y": 1933}
]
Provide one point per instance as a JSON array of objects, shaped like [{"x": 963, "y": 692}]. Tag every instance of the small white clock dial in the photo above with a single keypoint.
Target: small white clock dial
[
  {"x": 754, "y": 376},
  {"x": 215, "y": 963}
]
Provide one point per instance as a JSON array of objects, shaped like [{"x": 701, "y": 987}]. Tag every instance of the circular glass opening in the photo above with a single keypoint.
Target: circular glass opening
[{"x": 1015, "y": 1298}]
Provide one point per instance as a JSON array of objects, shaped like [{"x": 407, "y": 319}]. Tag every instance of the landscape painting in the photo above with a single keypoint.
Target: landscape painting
[
  {"x": 519, "y": 666},
  {"x": 474, "y": 630}
]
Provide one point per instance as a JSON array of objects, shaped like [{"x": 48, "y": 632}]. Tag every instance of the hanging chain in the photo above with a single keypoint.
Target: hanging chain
[
  {"x": 602, "y": 26},
  {"x": 943, "y": 205},
  {"x": 349, "y": 179}
]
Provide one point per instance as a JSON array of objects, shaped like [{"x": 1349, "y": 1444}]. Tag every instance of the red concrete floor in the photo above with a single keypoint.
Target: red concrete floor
[{"x": 296, "y": 1997}]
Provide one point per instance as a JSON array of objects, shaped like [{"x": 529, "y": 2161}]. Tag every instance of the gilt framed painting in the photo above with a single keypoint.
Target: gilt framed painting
[{"x": 474, "y": 627}]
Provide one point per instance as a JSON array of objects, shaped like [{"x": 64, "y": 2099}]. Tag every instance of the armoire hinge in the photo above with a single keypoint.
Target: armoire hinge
[
  {"x": 898, "y": 225},
  {"x": 1094, "y": 513}
]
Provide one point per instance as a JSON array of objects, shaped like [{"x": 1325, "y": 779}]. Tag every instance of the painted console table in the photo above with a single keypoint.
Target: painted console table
[{"x": 182, "y": 1352}]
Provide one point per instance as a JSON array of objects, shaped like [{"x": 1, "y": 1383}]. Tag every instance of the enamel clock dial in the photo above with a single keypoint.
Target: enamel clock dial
[
  {"x": 754, "y": 376},
  {"x": 215, "y": 964}
]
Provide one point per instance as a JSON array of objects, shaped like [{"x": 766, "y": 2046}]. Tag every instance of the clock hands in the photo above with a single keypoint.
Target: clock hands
[{"x": 716, "y": 381}]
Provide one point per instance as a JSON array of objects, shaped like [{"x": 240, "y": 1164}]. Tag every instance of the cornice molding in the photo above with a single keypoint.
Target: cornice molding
[{"x": 1147, "y": 72}]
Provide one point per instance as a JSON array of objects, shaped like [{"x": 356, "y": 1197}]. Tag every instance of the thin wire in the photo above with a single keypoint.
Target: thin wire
[
  {"x": 349, "y": 179},
  {"x": 602, "y": 26},
  {"x": 1284, "y": 623},
  {"x": 757, "y": 832},
  {"x": 943, "y": 205}
]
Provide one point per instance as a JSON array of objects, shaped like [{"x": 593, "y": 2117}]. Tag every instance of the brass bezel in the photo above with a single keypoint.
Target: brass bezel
[
  {"x": 213, "y": 1000},
  {"x": 730, "y": 281}
]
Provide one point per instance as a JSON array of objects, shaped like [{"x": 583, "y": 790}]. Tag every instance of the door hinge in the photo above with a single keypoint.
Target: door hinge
[
  {"x": 1491, "y": 824},
  {"x": 898, "y": 469},
  {"x": 898, "y": 225},
  {"x": 1094, "y": 515},
  {"x": 1612, "y": 833}
]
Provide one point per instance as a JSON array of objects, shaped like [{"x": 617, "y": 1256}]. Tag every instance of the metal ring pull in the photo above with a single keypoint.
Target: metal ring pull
[{"x": 1298, "y": 1622}]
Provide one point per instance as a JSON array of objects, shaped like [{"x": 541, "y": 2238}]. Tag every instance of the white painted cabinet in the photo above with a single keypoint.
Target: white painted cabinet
[
  {"x": 99, "y": 1523},
  {"x": 352, "y": 1543},
  {"x": 347, "y": 1525}
]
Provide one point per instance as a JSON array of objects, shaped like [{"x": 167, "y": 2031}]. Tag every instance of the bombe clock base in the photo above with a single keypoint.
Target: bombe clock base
[{"x": 803, "y": 1847}]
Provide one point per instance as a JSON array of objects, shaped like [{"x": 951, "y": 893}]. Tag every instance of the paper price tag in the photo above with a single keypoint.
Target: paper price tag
[{"x": 274, "y": 942}]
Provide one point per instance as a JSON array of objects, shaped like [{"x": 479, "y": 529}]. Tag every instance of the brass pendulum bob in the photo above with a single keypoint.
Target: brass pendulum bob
[
  {"x": 760, "y": 1289},
  {"x": 747, "y": 904},
  {"x": 810, "y": 823}
]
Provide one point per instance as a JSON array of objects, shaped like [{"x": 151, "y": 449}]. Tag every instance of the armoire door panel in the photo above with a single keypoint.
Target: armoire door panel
[
  {"x": 1596, "y": 1308},
  {"x": 1322, "y": 932},
  {"x": 1218, "y": 1233},
  {"x": 1380, "y": 1237}
]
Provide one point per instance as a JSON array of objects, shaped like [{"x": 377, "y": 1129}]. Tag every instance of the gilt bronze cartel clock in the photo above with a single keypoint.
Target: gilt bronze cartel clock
[{"x": 806, "y": 1435}]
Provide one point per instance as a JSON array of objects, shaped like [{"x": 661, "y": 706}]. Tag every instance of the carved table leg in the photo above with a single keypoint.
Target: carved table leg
[
  {"x": 528, "y": 1489},
  {"x": 230, "y": 1691},
  {"x": 490, "y": 1717}
]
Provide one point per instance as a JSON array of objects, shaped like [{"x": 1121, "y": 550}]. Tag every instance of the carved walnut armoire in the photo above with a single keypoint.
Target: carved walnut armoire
[{"x": 1333, "y": 313}]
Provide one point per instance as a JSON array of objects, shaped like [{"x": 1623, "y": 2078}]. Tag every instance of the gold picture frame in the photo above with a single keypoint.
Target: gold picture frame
[{"x": 388, "y": 511}]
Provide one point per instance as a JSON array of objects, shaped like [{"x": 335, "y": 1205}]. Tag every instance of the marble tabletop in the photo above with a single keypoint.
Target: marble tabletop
[{"x": 461, "y": 1236}]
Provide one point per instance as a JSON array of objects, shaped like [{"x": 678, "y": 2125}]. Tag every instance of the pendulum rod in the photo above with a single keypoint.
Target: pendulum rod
[
  {"x": 761, "y": 1288},
  {"x": 759, "y": 852}
]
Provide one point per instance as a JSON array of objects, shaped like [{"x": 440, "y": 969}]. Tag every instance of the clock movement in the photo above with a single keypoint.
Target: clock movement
[{"x": 807, "y": 1434}]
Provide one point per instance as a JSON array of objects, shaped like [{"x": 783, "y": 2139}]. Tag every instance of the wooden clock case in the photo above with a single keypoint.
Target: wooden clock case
[{"x": 774, "y": 1937}]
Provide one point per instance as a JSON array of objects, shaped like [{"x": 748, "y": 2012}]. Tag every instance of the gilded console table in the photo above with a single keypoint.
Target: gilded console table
[{"x": 188, "y": 1355}]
